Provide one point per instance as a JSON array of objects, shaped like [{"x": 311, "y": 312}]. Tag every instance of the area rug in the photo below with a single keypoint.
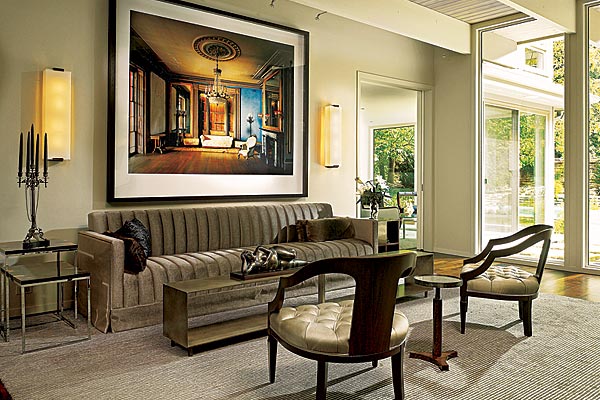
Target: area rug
[{"x": 495, "y": 361}]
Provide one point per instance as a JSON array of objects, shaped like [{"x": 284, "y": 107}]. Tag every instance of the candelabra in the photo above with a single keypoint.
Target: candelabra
[
  {"x": 31, "y": 179},
  {"x": 250, "y": 120}
]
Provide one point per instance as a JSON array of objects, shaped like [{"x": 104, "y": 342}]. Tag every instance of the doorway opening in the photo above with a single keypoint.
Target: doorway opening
[{"x": 389, "y": 144}]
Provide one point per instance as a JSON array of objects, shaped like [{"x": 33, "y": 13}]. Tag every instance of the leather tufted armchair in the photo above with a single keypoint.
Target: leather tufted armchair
[
  {"x": 365, "y": 329},
  {"x": 482, "y": 278}
]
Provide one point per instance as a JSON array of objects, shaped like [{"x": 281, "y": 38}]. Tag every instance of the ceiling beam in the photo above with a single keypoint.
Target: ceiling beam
[
  {"x": 560, "y": 13},
  {"x": 401, "y": 17}
]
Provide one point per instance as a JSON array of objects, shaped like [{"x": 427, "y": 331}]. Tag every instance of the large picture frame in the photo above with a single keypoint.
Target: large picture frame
[{"x": 204, "y": 104}]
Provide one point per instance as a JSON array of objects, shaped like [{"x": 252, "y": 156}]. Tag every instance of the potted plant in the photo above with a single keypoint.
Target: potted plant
[{"x": 371, "y": 193}]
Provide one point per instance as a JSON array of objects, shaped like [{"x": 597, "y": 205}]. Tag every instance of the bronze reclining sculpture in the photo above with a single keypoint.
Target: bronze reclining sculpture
[{"x": 267, "y": 259}]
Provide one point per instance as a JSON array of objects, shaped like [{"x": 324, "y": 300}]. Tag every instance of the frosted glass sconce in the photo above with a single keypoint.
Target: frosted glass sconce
[
  {"x": 331, "y": 131},
  {"x": 56, "y": 112}
]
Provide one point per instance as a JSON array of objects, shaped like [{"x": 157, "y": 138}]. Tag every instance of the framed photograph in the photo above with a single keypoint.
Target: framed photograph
[{"x": 204, "y": 104}]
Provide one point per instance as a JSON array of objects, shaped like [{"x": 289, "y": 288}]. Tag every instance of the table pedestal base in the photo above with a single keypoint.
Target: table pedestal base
[{"x": 440, "y": 361}]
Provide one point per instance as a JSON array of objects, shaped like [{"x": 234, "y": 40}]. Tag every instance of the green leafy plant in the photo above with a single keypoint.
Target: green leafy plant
[{"x": 372, "y": 192}]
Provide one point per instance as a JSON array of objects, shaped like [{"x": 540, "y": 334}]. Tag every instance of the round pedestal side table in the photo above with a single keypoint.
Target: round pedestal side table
[{"x": 437, "y": 356}]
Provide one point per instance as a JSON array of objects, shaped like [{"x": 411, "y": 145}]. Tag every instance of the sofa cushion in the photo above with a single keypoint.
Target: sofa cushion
[
  {"x": 324, "y": 229},
  {"x": 183, "y": 230}
]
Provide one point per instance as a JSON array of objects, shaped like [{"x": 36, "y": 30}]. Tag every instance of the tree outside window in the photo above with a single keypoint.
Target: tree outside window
[{"x": 394, "y": 159}]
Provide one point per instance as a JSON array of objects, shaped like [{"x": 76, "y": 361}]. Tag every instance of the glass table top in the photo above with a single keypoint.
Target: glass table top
[
  {"x": 441, "y": 281},
  {"x": 10, "y": 248},
  {"x": 40, "y": 273}
]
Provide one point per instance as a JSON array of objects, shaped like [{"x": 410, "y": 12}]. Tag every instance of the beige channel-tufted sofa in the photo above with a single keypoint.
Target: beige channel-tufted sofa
[{"x": 192, "y": 243}]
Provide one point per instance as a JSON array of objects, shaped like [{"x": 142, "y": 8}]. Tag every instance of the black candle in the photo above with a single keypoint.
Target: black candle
[
  {"x": 27, "y": 162},
  {"x": 21, "y": 155},
  {"x": 45, "y": 154},
  {"x": 37, "y": 153},
  {"x": 32, "y": 153}
]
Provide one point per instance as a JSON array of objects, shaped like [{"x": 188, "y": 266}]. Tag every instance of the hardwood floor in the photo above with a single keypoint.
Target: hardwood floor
[
  {"x": 196, "y": 161},
  {"x": 581, "y": 286}
]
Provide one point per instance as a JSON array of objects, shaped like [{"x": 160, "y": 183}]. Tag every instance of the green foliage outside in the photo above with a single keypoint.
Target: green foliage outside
[
  {"x": 500, "y": 134},
  {"x": 394, "y": 159},
  {"x": 594, "y": 118}
]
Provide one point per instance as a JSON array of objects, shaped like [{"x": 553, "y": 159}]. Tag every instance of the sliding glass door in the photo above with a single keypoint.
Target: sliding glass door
[
  {"x": 518, "y": 189},
  {"x": 501, "y": 178},
  {"x": 593, "y": 138}
]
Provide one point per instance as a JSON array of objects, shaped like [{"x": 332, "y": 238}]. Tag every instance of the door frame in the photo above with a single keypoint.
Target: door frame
[{"x": 423, "y": 154}]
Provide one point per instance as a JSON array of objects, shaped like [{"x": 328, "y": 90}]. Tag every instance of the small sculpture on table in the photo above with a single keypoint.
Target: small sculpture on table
[{"x": 269, "y": 259}]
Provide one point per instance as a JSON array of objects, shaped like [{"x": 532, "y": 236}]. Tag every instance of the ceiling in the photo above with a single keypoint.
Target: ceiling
[
  {"x": 447, "y": 23},
  {"x": 476, "y": 11},
  {"x": 469, "y": 11},
  {"x": 179, "y": 56}
]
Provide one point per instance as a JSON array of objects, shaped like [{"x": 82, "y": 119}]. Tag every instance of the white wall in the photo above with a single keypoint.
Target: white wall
[
  {"x": 500, "y": 50},
  {"x": 453, "y": 155},
  {"x": 392, "y": 106},
  {"x": 35, "y": 34}
]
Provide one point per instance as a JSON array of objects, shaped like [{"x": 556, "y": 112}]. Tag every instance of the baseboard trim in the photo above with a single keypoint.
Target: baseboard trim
[{"x": 451, "y": 252}]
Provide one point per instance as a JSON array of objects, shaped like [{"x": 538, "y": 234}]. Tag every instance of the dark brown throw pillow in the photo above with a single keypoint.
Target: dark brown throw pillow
[
  {"x": 135, "y": 257},
  {"x": 323, "y": 229},
  {"x": 137, "y": 230},
  {"x": 301, "y": 230}
]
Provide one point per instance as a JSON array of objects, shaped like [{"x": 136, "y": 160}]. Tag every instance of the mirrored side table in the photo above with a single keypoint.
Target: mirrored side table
[{"x": 25, "y": 275}]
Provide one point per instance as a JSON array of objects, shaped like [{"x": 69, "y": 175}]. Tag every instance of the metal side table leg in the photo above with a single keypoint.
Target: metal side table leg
[
  {"x": 89, "y": 321},
  {"x": 7, "y": 308},
  {"x": 75, "y": 284},
  {"x": 2, "y": 303},
  {"x": 22, "y": 320}
]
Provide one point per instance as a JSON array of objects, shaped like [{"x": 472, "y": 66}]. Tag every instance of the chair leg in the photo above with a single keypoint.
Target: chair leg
[
  {"x": 398, "y": 374},
  {"x": 272, "y": 357},
  {"x": 464, "y": 304},
  {"x": 321, "y": 380},
  {"x": 526, "y": 306},
  {"x": 375, "y": 363},
  {"x": 521, "y": 310}
]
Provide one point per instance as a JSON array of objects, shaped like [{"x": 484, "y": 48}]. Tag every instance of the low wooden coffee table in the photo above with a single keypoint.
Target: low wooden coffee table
[{"x": 176, "y": 297}]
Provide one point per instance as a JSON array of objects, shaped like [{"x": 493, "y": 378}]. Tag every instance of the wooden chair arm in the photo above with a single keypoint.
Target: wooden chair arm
[
  {"x": 479, "y": 256},
  {"x": 306, "y": 272},
  {"x": 543, "y": 235},
  {"x": 507, "y": 239}
]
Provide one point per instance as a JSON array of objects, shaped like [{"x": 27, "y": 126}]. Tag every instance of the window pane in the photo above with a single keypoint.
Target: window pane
[
  {"x": 594, "y": 142},
  {"x": 516, "y": 188},
  {"x": 500, "y": 172}
]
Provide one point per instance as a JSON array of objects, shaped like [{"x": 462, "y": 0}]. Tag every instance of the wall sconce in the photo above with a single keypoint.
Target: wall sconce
[
  {"x": 331, "y": 131},
  {"x": 56, "y": 112}
]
